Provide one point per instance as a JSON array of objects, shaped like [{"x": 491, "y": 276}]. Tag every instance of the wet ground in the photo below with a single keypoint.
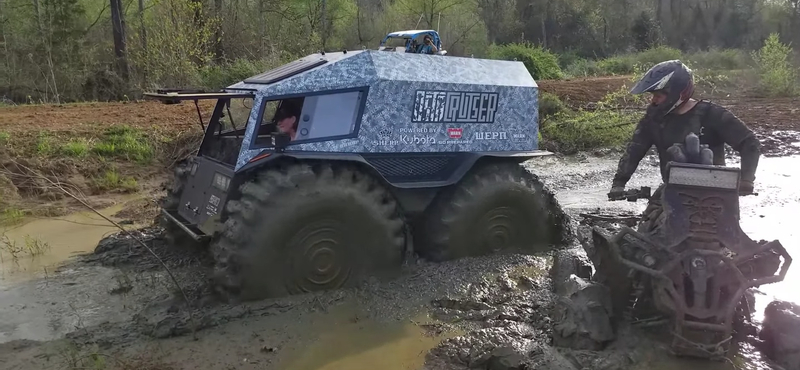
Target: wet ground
[{"x": 477, "y": 312}]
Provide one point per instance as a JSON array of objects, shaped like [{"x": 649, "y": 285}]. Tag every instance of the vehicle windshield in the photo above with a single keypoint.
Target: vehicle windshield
[
  {"x": 226, "y": 130},
  {"x": 396, "y": 42}
]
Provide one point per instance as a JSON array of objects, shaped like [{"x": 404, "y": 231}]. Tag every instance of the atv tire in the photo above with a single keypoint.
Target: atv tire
[
  {"x": 299, "y": 229},
  {"x": 497, "y": 208},
  {"x": 173, "y": 234}
]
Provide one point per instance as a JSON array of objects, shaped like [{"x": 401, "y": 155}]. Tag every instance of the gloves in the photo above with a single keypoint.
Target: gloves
[
  {"x": 615, "y": 192},
  {"x": 745, "y": 187}
]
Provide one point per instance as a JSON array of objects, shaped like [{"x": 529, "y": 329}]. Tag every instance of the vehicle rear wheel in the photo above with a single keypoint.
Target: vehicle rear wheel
[
  {"x": 499, "y": 207},
  {"x": 301, "y": 229}
]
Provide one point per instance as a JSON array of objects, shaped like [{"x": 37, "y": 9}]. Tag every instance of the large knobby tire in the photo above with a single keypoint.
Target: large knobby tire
[
  {"x": 299, "y": 229},
  {"x": 497, "y": 208},
  {"x": 173, "y": 234}
]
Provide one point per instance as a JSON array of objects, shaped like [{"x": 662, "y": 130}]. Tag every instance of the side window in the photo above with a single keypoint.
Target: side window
[
  {"x": 268, "y": 126},
  {"x": 330, "y": 115},
  {"x": 315, "y": 117}
]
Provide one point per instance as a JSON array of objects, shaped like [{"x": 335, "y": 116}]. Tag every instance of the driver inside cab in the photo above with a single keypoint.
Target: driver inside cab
[
  {"x": 286, "y": 121},
  {"x": 427, "y": 46}
]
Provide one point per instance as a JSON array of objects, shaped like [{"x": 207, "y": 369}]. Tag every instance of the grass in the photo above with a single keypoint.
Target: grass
[
  {"x": 112, "y": 180},
  {"x": 11, "y": 216},
  {"x": 76, "y": 148},
  {"x": 44, "y": 144},
  {"x": 32, "y": 247},
  {"x": 125, "y": 143}
]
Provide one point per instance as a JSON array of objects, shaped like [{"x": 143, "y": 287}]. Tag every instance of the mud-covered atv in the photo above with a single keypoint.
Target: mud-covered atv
[
  {"x": 383, "y": 155},
  {"x": 688, "y": 260}
]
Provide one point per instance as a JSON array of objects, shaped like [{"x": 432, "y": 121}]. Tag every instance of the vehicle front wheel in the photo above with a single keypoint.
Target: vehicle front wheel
[{"x": 304, "y": 228}]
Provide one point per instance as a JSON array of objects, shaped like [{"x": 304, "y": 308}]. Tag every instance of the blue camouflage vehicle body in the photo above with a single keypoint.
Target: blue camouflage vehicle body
[
  {"x": 441, "y": 139},
  {"x": 409, "y": 103}
]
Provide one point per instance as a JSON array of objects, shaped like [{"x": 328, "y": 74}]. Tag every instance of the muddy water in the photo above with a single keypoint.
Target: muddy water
[
  {"x": 39, "y": 303},
  {"x": 773, "y": 214},
  {"x": 58, "y": 239},
  {"x": 344, "y": 341}
]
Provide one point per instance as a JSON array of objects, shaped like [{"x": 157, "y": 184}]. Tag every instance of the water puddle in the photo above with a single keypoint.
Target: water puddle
[
  {"x": 36, "y": 247},
  {"x": 346, "y": 342},
  {"x": 770, "y": 216}
]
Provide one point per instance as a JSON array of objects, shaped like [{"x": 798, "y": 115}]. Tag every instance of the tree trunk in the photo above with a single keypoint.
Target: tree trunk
[
  {"x": 219, "y": 51},
  {"x": 118, "y": 29}
]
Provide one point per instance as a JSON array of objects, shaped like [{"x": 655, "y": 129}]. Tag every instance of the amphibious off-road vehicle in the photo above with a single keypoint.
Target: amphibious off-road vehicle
[
  {"x": 410, "y": 41},
  {"x": 387, "y": 148}
]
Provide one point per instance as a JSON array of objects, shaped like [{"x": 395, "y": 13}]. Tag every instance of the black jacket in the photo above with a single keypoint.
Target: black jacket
[{"x": 715, "y": 125}]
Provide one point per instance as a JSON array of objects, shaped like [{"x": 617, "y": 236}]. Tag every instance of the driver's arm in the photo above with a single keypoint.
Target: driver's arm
[
  {"x": 636, "y": 150},
  {"x": 736, "y": 134}
]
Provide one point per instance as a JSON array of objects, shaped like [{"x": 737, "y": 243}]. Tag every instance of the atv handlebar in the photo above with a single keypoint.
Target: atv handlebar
[{"x": 630, "y": 195}]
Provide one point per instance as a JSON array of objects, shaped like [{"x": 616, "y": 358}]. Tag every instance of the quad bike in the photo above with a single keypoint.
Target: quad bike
[{"x": 688, "y": 260}]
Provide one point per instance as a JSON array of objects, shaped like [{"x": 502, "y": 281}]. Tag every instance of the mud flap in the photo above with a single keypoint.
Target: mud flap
[{"x": 610, "y": 272}]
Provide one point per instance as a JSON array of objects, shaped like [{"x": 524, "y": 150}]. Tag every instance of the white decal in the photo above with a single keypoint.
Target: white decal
[
  {"x": 491, "y": 135},
  {"x": 454, "y": 107}
]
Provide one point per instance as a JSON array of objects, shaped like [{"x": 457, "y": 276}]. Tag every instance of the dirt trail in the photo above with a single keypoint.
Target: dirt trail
[{"x": 89, "y": 117}]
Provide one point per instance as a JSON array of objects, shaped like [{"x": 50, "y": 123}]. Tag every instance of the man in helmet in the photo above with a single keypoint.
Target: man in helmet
[{"x": 672, "y": 115}]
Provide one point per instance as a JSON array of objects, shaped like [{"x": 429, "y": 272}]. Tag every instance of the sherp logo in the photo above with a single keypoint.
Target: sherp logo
[
  {"x": 454, "y": 107},
  {"x": 491, "y": 135}
]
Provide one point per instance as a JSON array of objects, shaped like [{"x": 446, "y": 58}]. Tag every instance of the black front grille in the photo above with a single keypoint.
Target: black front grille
[{"x": 412, "y": 168}]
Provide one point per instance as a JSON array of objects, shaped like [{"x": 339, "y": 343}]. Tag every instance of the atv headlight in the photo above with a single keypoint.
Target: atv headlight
[
  {"x": 704, "y": 177},
  {"x": 221, "y": 182},
  {"x": 194, "y": 169}
]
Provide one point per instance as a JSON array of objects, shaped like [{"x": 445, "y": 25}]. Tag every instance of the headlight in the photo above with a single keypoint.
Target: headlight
[
  {"x": 221, "y": 182},
  {"x": 194, "y": 169},
  {"x": 704, "y": 177}
]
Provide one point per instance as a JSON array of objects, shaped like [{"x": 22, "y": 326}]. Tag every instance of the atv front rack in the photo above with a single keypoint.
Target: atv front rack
[{"x": 701, "y": 286}]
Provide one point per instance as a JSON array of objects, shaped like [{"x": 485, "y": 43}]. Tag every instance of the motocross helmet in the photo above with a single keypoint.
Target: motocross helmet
[{"x": 671, "y": 77}]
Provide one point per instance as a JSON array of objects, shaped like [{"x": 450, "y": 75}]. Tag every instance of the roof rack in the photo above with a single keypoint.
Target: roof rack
[{"x": 286, "y": 71}]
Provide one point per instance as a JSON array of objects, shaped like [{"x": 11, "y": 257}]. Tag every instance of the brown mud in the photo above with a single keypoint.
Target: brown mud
[{"x": 93, "y": 117}]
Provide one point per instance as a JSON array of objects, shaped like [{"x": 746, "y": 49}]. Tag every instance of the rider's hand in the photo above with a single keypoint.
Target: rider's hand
[
  {"x": 745, "y": 187},
  {"x": 616, "y": 191}
]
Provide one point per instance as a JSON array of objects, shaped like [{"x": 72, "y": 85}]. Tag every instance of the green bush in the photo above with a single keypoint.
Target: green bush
[
  {"x": 542, "y": 64},
  {"x": 620, "y": 65},
  {"x": 585, "y": 130},
  {"x": 568, "y": 58},
  {"x": 550, "y": 104},
  {"x": 583, "y": 68},
  {"x": 719, "y": 59},
  {"x": 216, "y": 77},
  {"x": 629, "y": 63},
  {"x": 653, "y": 56},
  {"x": 778, "y": 76}
]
